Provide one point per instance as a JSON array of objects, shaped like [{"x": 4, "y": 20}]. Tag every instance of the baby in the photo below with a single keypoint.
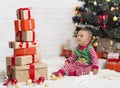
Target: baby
[{"x": 83, "y": 59}]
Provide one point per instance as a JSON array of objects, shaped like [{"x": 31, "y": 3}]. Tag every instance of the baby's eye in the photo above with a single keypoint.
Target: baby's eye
[{"x": 81, "y": 35}]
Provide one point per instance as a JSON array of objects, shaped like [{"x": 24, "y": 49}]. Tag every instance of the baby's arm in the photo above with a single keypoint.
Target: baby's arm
[
  {"x": 94, "y": 60},
  {"x": 72, "y": 58}
]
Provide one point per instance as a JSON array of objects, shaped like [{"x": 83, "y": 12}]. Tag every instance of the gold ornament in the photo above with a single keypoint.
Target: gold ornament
[
  {"x": 115, "y": 18},
  {"x": 95, "y": 44},
  {"x": 29, "y": 82},
  {"x": 75, "y": 12},
  {"x": 107, "y": 0}
]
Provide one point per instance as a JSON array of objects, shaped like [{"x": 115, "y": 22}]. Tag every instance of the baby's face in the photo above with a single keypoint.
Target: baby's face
[{"x": 83, "y": 38}]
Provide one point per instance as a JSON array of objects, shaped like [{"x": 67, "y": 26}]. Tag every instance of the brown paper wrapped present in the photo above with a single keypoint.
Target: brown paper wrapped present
[
  {"x": 18, "y": 45},
  {"x": 22, "y": 60},
  {"x": 23, "y": 73},
  {"x": 25, "y": 36},
  {"x": 24, "y": 13}
]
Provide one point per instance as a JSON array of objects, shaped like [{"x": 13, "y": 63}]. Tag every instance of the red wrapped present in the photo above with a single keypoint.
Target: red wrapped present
[
  {"x": 25, "y": 51},
  {"x": 66, "y": 53},
  {"x": 24, "y": 25}
]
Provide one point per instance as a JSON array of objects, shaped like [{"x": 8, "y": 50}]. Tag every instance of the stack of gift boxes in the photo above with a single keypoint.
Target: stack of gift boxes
[{"x": 25, "y": 63}]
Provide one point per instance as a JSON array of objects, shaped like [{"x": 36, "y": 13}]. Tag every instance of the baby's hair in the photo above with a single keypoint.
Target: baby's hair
[
  {"x": 88, "y": 31},
  {"x": 83, "y": 29}
]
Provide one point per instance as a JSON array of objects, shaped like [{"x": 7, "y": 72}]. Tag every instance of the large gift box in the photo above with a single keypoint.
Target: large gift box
[
  {"x": 25, "y": 36},
  {"x": 25, "y": 51},
  {"x": 24, "y": 25},
  {"x": 22, "y": 60},
  {"x": 18, "y": 45},
  {"x": 23, "y": 73},
  {"x": 113, "y": 62},
  {"x": 24, "y": 13}
]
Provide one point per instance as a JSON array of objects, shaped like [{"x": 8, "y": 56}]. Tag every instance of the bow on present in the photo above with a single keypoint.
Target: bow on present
[{"x": 10, "y": 81}]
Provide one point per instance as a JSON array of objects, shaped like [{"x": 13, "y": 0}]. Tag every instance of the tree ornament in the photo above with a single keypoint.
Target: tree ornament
[
  {"x": 29, "y": 82},
  {"x": 14, "y": 81},
  {"x": 42, "y": 79},
  {"x": 104, "y": 26},
  {"x": 95, "y": 3},
  {"x": 95, "y": 44},
  {"x": 107, "y": 0},
  {"x": 115, "y": 18}
]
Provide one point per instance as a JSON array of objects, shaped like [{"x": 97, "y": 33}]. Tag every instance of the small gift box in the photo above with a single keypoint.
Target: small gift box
[
  {"x": 32, "y": 71},
  {"x": 18, "y": 45},
  {"x": 66, "y": 53},
  {"x": 25, "y": 51},
  {"x": 24, "y": 13},
  {"x": 25, "y": 36},
  {"x": 113, "y": 62},
  {"x": 24, "y": 25}
]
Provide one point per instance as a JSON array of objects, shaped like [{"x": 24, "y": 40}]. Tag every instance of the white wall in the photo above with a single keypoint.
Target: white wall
[{"x": 53, "y": 24}]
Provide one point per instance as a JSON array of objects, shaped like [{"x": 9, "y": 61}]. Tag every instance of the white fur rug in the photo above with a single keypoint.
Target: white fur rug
[{"x": 104, "y": 79}]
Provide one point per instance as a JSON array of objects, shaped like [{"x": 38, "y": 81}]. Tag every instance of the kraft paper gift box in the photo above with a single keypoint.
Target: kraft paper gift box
[
  {"x": 24, "y": 13},
  {"x": 24, "y": 25},
  {"x": 18, "y": 45},
  {"x": 23, "y": 73},
  {"x": 25, "y": 36},
  {"x": 25, "y": 51},
  {"x": 22, "y": 60}
]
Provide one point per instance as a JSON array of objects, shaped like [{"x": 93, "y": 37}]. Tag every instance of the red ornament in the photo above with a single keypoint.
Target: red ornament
[
  {"x": 41, "y": 79},
  {"x": 14, "y": 81},
  {"x": 104, "y": 26},
  {"x": 7, "y": 82}
]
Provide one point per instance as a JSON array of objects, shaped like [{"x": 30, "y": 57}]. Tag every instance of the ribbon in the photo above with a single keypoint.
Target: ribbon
[
  {"x": 33, "y": 58},
  {"x": 33, "y": 38},
  {"x": 19, "y": 25},
  {"x": 113, "y": 60},
  {"x": 19, "y": 34},
  {"x": 9, "y": 71},
  {"x": 13, "y": 61},
  {"x": 11, "y": 44},
  {"x": 26, "y": 44},
  {"x": 32, "y": 71},
  {"x": 21, "y": 44}
]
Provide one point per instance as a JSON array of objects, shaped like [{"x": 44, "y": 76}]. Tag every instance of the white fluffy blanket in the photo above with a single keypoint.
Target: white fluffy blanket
[{"x": 104, "y": 79}]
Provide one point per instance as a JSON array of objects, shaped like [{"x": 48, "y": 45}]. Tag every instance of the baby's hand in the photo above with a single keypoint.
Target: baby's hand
[
  {"x": 95, "y": 71},
  {"x": 66, "y": 63}
]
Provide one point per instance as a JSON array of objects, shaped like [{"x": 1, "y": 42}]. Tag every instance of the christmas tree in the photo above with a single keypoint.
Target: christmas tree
[{"x": 102, "y": 17}]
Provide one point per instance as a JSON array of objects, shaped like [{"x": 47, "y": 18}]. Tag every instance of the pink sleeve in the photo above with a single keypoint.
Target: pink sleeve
[
  {"x": 72, "y": 58},
  {"x": 94, "y": 58}
]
